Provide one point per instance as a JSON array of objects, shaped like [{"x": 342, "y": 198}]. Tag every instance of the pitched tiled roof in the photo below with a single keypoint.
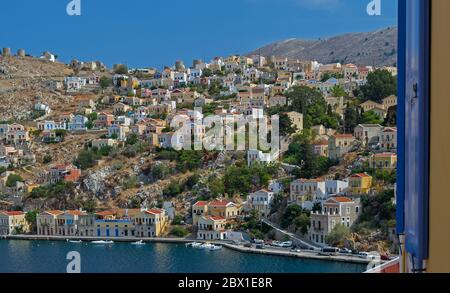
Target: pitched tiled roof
[
  {"x": 221, "y": 203},
  {"x": 154, "y": 211},
  {"x": 360, "y": 175},
  {"x": 54, "y": 212},
  {"x": 341, "y": 199},
  {"x": 12, "y": 213},
  {"x": 200, "y": 203}
]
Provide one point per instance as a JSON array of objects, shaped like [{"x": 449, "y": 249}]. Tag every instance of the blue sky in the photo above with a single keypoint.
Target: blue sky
[{"x": 159, "y": 32}]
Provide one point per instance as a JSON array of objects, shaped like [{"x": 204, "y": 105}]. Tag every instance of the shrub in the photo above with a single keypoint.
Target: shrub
[{"x": 179, "y": 232}]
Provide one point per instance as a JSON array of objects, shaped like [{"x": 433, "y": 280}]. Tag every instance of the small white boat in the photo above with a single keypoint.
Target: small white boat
[
  {"x": 216, "y": 247},
  {"x": 140, "y": 242},
  {"x": 194, "y": 244},
  {"x": 209, "y": 246},
  {"x": 75, "y": 241},
  {"x": 102, "y": 242}
]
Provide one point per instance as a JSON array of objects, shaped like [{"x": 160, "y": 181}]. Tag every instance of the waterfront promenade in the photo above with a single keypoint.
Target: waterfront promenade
[{"x": 305, "y": 254}]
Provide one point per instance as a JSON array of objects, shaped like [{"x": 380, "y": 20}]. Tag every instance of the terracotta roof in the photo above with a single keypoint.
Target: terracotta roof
[
  {"x": 105, "y": 213},
  {"x": 317, "y": 180},
  {"x": 154, "y": 211},
  {"x": 54, "y": 212},
  {"x": 75, "y": 213},
  {"x": 360, "y": 175},
  {"x": 12, "y": 213},
  {"x": 385, "y": 155},
  {"x": 222, "y": 203},
  {"x": 322, "y": 142},
  {"x": 200, "y": 203},
  {"x": 341, "y": 199}
]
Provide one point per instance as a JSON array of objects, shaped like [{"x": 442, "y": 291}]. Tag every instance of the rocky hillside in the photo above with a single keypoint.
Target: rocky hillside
[
  {"x": 377, "y": 48},
  {"x": 25, "y": 81}
]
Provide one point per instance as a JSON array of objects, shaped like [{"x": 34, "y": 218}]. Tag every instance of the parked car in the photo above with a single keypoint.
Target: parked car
[
  {"x": 286, "y": 244},
  {"x": 366, "y": 255},
  {"x": 260, "y": 246},
  {"x": 248, "y": 244},
  {"x": 328, "y": 251},
  {"x": 345, "y": 251},
  {"x": 259, "y": 241}
]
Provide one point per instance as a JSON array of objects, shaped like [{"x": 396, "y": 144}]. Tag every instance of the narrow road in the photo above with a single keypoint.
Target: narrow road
[{"x": 290, "y": 235}]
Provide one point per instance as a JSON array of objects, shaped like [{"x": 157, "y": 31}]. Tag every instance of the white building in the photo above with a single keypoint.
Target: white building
[
  {"x": 260, "y": 201},
  {"x": 261, "y": 157}
]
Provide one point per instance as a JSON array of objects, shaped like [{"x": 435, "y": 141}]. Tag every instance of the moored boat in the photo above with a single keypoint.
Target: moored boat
[{"x": 102, "y": 242}]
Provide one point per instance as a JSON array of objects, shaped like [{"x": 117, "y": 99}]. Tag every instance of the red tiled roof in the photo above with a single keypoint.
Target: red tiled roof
[
  {"x": 342, "y": 199},
  {"x": 54, "y": 212},
  {"x": 221, "y": 203},
  {"x": 105, "y": 213},
  {"x": 385, "y": 154},
  {"x": 200, "y": 203},
  {"x": 322, "y": 142},
  {"x": 75, "y": 213},
  {"x": 360, "y": 175},
  {"x": 12, "y": 213},
  {"x": 154, "y": 211}
]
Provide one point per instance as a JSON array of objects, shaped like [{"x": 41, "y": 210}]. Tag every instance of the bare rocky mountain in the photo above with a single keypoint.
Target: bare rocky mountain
[
  {"x": 25, "y": 81},
  {"x": 377, "y": 48}
]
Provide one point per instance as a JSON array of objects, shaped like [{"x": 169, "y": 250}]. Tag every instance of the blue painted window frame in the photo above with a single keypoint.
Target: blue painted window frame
[{"x": 413, "y": 207}]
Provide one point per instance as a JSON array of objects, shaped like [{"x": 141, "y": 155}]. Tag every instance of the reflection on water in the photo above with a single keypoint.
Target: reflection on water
[{"x": 45, "y": 256}]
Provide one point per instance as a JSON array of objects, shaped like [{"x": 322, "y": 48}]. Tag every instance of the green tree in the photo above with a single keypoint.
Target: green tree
[
  {"x": 173, "y": 189},
  {"x": 380, "y": 84},
  {"x": 159, "y": 171},
  {"x": 179, "y": 232},
  {"x": 300, "y": 153},
  {"x": 121, "y": 69},
  {"x": 189, "y": 160},
  {"x": 338, "y": 91},
  {"x": 370, "y": 117},
  {"x": 216, "y": 187},
  {"x": 286, "y": 126},
  {"x": 178, "y": 220},
  {"x": 132, "y": 139},
  {"x": 244, "y": 179},
  {"x": 302, "y": 222},
  {"x": 391, "y": 119},
  {"x": 47, "y": 159},
  {"x": 13, "y": 179},
  {"x": 192, "y": 181},
  {"x": 352, "y": 118},
  {"x": 86, "y": 159},
  {"x": 289, "y": 216},
  {"x": 312, "y": 105},
  {"x": 338, "y": 235},
  {"x": 31, "y": 217},
  {"x": 207, "y": 72},
  {"x": 105, "y": 82}
]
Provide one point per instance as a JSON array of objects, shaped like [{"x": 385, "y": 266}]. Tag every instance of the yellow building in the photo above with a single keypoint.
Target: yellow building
[
  {"x": 199, "y": 209},
  {"x": 223, "y": 208},
  {"x": 47, "y": 222},
  {"x": 151, "y": 223},
  {"x": 219, "y": 208},
  {"x": 13, "y": 223},
  {"x": 383, "y": 161},
  {"x": 211, "y": 228},
  {"x": 360, "y": 183}
]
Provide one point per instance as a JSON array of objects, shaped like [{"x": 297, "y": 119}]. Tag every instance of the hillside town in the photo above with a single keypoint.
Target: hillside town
[{"x": 88, "y": 150}]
